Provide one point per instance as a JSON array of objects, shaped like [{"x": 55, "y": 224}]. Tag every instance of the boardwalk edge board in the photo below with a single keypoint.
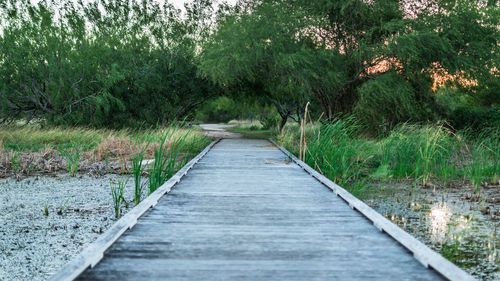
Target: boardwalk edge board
[
  {"x": 421, "y": 252},
  {"x": 92, "y": 254}
]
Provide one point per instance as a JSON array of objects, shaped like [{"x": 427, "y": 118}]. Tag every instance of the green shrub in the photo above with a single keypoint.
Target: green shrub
[
  {"x": 91, "y": 64},
  {"x": 270, "y": 120},
  {"x": 388, "y": 101},
  {"x": 475, "y": 119},
  {"x": 221, "y": 109}
]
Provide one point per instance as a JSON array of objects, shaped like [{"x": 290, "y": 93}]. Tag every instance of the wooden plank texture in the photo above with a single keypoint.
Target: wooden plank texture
[
  {"x": 91, "y": 255},
  {"x": 420, "y": 251},
  {"x": 243, "y": 212}
]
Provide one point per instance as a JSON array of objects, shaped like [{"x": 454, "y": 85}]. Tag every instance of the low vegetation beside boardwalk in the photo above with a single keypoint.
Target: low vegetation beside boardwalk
[
  {"x": 401, "y": 100},
  {"x": 440, "y": 185},
  {"x": 428, "y": 155},
  {"x": 63, "y": 187},
  {"x": 251, "y": 129},
  {"x": 27, "y": 150}
]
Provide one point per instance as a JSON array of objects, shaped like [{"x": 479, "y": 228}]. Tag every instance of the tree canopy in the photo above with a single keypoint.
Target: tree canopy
[
  {"x": 107, "y": 63},
  {"x": 357, "y": 56},
  {"x": 119, "y": 63}
]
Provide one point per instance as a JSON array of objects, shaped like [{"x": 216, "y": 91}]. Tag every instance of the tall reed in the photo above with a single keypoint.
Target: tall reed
[
  {"x": 484, "y": 165},
  {"x": 140, "y": 145},
  {"x": 334, "y": 150},
  {"x": 166, "y": 156},
  {"x": 429, "y": 150},
  {"x": 339, "y": 150},
  {"x": 491, "y": 144},
  {"x": 117, "y": 194},
  {"x": 418, "y": 151}
]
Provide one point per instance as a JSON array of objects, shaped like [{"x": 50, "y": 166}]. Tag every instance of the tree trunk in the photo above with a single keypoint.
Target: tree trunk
[{"x": 284, "y": 118}]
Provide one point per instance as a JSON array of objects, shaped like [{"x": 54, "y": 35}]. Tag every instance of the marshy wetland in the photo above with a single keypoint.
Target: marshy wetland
[
  {"x": 61, "y": 188},
  {"x": 460, "y": 228},
  {"x": 455, "y": 218},
  {"x": 396, "y": 101},
  {"x": 440, "y": 186},
  {"x": 47, "y": 220}
]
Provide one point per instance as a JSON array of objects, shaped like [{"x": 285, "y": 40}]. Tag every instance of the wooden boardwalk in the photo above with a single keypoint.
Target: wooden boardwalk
[{"x": 245, "y": 212}]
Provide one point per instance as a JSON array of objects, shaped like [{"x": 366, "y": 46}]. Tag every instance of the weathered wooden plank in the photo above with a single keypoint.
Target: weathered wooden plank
[
  {"x": 91, "y": 255},
  {"x": 420, "y": 251},
  {"x": 245, "y": 213},
  {"x": 268, "y": 269}
]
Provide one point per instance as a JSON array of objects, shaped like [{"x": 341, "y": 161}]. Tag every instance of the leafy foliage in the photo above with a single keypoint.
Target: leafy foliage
[
  {"x": 107, "y": 63},
  {"x": 387, "y": 101},
  {"x": 475, "y": 119},
  {"x": 256, "y": 52},
  {"x": 125, "y": 63},
  {"x": 357, "y": 55}
]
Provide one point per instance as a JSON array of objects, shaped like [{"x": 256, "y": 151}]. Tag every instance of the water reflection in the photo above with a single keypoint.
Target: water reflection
[
  {"x": 457, "y": 229},
  {"x": 444, "y": 226},
  {"x": 439, "y": 218},
  {"x": 492, "y": 247}
]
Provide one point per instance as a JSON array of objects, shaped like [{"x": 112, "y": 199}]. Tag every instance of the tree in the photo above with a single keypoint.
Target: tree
[
  {"x": 106, "y": 63},
  {"x": 255, "y": 51},
  {"x": 340, "y": 52},
  {"x": 386, "y": 40}
]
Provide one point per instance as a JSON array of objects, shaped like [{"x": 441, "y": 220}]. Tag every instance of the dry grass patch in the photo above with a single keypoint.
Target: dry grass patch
[
  {"x": 114, "y": 147},
  {"x": 48, "y": 150}
]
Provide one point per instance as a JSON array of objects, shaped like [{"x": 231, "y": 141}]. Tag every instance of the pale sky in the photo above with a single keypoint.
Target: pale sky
[
  {"x": 180, "y": 3},
  {"x": 177, "y": 3}
]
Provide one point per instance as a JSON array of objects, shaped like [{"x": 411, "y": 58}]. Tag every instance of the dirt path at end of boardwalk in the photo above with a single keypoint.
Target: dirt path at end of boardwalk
[{"x": 219, "y": 131}]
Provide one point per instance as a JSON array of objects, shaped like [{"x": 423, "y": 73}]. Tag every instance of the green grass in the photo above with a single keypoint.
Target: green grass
[
  {"x": 76, "y": 144},
  {"x": 117, "y": 194},
  {"x": 171, "y": 147},
  {"x": 141, "y": 143},
  {"x": 418, "y": 152},
  {"x": 422, "y": 154},
  {"x": 251, "y": 133},
  {"x": 46, "y": 208},
  {"x": 72, "y": 156},
  {"x": 31, "y": 138},
  {"x": 483, "y": 165},
  {"x": 251, "y": 129},
  {"x": 166, "y": 158}
]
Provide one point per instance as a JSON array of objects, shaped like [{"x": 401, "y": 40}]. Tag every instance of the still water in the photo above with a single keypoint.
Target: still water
[{"x": 464, "y": 231}]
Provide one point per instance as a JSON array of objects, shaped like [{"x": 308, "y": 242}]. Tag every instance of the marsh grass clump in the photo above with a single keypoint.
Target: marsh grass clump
[
  {"x": 166, "y": 156},
  {"x": 115, "y": 144},
  {"x": 335, "y": 149},
  {"x": 483, "y": 164},
  {"x": 428, "y": 155},
  {"x": 46, "y": 208},
  {"x": 191, "y": 139},
  {"x": 83, "y": 149},
  {"x": 63, "y": 207},
  {"x": 72, "y": 156},
  {"x": 420, "y": 152},
  {"x": 33, "y": 138},
  {"x": 15, "y": 164},
  {"x": 117, "y": 191},
  {"x": 140, "y": 145}
]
